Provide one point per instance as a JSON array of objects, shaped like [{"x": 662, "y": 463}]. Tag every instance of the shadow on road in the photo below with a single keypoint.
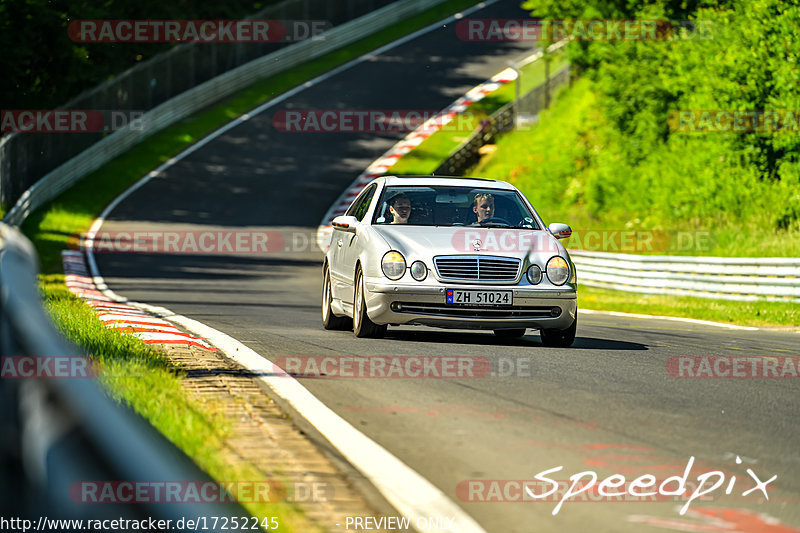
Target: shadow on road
[{"x": 487, "y": 338}]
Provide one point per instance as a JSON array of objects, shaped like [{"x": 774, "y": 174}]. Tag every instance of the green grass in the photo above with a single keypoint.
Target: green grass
[
  {"x": 51, "y": 228},
  {"x": 522, "y": 157},
  {"x": 427, "y": 157},
  {"x": 133, "y": 373},
  {"x": 518, "y": 159},
  {"x": 142, "y": 378},
  {"x": 731, "y": 312}
]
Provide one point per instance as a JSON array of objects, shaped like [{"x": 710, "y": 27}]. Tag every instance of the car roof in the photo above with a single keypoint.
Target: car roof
[{"x": 456, "y": 181}]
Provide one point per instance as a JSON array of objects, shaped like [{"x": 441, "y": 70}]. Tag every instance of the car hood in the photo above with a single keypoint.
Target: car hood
[{"x": 424, "y": 242}]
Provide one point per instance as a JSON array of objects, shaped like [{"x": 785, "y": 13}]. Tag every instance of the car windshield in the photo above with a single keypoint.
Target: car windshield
[{"x": 442, "y": 205}]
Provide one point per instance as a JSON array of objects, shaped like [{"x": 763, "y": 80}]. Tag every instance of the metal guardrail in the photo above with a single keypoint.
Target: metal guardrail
[
  {"x": 725, "y": 278},
  {"x": 467, "y": 154},
  {"x": 26, "y": 157},
  {"x": 58, "y": 431},
  {"x": 203, "y": 95},
  {"x": 744, "y": 279}
]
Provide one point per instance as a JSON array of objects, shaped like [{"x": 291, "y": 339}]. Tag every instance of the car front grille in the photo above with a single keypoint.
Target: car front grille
[
  {"x": 460, "y": 311},
  {"x": 477, "y": 268}
]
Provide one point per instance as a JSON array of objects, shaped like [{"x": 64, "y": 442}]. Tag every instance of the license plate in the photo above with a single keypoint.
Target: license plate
[{"x": 478, "y": 297}]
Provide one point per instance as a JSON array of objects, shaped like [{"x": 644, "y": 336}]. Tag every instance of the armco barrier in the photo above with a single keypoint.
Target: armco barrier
[
  {"x": 26, "y": 157},
  {"x": 467, "y": 155},
  {"x": 61, "y": 431},
  {"x": 724, "y": 278},
  {"x": 202, "y": 96}
]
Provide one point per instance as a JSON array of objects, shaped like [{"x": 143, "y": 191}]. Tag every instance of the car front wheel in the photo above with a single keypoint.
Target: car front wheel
[
  {"x": 560, "y": 338},
  {"x": 362, "y": 325},
  {"x": 329, "y": 320}
]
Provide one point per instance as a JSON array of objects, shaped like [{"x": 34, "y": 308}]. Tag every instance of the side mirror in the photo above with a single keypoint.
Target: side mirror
[
  {"x": 559, "y": 231},
  {"x": 345, "y": 223}
]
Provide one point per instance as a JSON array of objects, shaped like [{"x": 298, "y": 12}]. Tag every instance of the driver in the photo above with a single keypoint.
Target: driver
[
  {"x": 483, "y": 206},
  {"x": 400, "y": 208}
]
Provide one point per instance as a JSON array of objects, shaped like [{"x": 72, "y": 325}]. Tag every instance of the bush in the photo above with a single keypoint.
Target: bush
[{"x": 610, "y": 152}]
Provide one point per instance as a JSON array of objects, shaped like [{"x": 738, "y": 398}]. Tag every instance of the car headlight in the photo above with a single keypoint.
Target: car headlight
[
  {"x": 534, "y": 274},
  {"x": 418, "y": 270},
  {"x": 557, "y": 270},
  {"x": 393, "y": 265}
]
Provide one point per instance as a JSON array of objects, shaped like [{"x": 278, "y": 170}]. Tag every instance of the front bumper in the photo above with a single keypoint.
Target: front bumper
[{"x": 409, "y": 304}]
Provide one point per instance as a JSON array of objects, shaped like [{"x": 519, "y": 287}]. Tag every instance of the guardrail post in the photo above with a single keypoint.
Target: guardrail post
[
  {"x": 547, "y": 60},
  {"x": 517, "y": 88}
]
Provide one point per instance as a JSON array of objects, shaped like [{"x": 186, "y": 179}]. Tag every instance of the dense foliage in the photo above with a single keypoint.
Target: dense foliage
[
  {"x": 623, "y": 158},
  {"x": 42, "y": 68}
]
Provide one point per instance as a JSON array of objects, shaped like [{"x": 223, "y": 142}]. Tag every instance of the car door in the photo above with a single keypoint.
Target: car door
[
  {"x": 351, "y": 244},
  {"x": 342, "y": 272}
]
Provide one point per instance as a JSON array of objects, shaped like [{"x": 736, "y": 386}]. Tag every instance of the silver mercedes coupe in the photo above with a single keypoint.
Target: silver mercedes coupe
[{"x": 448, "y": 252}]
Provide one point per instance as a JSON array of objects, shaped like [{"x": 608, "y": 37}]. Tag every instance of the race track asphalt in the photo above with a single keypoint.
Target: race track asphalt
[{"x": 607, "y": 404}]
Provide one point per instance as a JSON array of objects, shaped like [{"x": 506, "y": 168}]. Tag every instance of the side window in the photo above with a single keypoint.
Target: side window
[{"x": 359, "y": 208}]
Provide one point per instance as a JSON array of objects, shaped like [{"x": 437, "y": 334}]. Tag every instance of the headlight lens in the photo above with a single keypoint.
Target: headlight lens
[
  {"x": 393, "y": 265},
  {"x": 418, "y": 270},
  {"x": 557, "y": 270},
  {"x": 534, "y": 274}
]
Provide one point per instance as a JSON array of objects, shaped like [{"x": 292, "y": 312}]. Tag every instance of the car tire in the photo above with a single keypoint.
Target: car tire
[
  {"x": 363, "y": 327},
  {"x": 559, "y": 338},
  {"x": 329, "y": 320},
  {"x": 510, "y": 333}
]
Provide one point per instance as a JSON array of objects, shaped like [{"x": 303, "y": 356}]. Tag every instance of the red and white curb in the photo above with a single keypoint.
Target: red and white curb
[
  {"x": 411, "y": 141},
  {"x": 120, "y": 316},
  {"x": 381, "y": 165}
]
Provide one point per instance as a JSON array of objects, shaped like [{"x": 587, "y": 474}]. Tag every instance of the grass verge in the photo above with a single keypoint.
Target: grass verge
[
  {"x": 135, "y": 374},
  {"x": 730, "y": 312},
  {"x": 561, "y": 145},
  {"x": 141, "y": 377},
  {"x": 53, "y": 227},
  {"x": 427, "y": 157},
  {"x": 515, "y": 160}
]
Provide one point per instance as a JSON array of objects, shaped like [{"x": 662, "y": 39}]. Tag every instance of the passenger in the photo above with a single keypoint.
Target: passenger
[
  {"x": 483, "y": 207},
  {"x": 400, "y": 208}
]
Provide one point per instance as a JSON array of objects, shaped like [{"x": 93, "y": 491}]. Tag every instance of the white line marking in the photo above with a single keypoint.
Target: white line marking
[
  {"x": 672, "y": 318},
  {"x": 409, "y": 492}
]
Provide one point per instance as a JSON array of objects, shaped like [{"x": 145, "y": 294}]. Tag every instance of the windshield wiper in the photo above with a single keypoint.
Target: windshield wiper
[{"x": 506, "y": 227}]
